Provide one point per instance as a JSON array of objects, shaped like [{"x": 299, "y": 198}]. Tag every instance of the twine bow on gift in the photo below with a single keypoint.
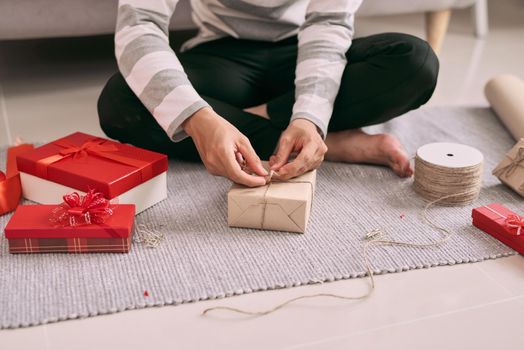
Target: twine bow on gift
[
  {"x": 93, "y": 208},
  {"x": 514, "y": 164},
  {"x": 269, "y": 177},
  {"x": 514, "y": 222}
]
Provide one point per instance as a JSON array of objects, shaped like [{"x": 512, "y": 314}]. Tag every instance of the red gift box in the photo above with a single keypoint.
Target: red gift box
[
  {"x": 10, "y": 188},
  {"x": 31, "y": 230},
  {"x": 82, "y": 162},
  {"x": 501, "y": 223}
]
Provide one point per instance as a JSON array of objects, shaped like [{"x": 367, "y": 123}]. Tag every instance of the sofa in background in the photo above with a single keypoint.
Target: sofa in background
[{"x": 30, "y": 19}]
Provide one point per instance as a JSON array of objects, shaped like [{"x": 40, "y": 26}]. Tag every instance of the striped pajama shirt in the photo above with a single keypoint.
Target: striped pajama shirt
[{"x": 154, "y": 73}]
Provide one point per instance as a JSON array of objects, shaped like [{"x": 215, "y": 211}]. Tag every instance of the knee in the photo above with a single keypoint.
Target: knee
[
  {"x": 420, "y": 64},
  {"x": 110, "y": 103}
]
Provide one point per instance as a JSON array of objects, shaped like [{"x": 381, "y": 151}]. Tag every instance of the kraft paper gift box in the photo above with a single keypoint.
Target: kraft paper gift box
[
  {"x": 281, "y": 206},
  {"x": 31, "y": 231},
  {"x": 501, "y": 223},
  {"x": 81, "y": 162},
  {"x": 510, "y": 170}
]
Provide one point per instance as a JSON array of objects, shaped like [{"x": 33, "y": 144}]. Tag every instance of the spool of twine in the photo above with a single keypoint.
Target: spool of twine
[
  {"x": 446, "y": 174},
  {"x": 449, "y": 172}
]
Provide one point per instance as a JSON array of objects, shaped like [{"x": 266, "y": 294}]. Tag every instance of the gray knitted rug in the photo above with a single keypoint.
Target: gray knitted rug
[{"x": 201, "y": 258}]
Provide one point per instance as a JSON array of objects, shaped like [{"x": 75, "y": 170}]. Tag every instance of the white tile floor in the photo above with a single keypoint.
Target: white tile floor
[{"x": 50, "y": 88}]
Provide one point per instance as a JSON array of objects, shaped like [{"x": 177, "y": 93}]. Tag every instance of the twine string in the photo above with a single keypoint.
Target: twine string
[
  {"x": 269, "y": 177},
  {"x": 513, "y": 165},
  {"x": 149, "y": 237},
  {"x": 375, "y": 237},
  {"x": 437, "y": 184}
]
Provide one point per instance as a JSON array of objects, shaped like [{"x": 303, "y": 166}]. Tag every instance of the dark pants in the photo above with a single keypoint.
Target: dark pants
[{"x": 386, "y": 76}]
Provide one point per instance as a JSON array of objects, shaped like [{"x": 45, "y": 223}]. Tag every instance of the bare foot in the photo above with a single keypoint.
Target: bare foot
[{"x": 355, "y": 146}]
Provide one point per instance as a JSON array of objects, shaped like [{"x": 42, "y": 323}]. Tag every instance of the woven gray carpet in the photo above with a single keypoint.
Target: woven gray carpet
[{"x": 201, "y": 258}]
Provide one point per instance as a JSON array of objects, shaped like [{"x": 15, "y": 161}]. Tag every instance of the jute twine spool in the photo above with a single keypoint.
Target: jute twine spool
[
  {"x": 448, "y": 171},
  {"x": 446, "y": 174}
]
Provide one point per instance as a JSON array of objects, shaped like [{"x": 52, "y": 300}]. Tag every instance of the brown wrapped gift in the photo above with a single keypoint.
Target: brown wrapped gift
[
  {"x": 511, "y": 169},
  {"x": 279, "y": 205}
]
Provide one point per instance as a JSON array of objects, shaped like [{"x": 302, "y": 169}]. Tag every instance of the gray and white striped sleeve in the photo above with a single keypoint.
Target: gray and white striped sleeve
[
  {"x": 149, "y": 65},
  {"x": 323, "y": 41}
]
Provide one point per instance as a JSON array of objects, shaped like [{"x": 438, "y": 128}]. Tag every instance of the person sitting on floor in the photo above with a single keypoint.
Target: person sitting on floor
[{"x": 263, "y": 80}]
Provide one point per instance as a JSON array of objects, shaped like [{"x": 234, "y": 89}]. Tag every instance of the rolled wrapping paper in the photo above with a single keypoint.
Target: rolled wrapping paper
[
  {"x": 449, "y": 173},
  {"x": 505, "y": 94}
]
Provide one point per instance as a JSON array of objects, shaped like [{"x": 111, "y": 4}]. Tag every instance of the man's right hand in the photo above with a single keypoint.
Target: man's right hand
[{"x": 218, "y": 142}]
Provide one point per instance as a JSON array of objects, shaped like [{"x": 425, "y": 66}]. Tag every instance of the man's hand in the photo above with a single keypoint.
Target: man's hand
[
  {"x": 218, "y": 142},
  {"x": 300, "y": 136}
]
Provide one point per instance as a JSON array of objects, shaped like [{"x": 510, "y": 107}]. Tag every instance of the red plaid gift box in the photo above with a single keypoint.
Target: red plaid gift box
[
  {"x": 81, "y": 162},
  {"x": 501, "y": 223},
  {"x": 32, "y": 230}
]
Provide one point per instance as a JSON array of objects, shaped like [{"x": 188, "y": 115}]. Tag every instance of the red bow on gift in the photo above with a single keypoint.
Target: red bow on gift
[
  {"x": 83, "y": 150},
  {"x": 93, "y": 208},
  {"x": 515, "y": 221}
]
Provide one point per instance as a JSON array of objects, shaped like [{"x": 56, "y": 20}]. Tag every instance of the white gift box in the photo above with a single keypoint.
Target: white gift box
[{"x": 142, "y": 196}]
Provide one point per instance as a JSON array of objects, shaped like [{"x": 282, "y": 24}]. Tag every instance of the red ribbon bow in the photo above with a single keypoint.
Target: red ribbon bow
[
  {"x": 514, "y": 221},
  {"x": 93, "y": 208},
  {"x": 97, "y": 147},
  {"x": 83, "y": 150}
]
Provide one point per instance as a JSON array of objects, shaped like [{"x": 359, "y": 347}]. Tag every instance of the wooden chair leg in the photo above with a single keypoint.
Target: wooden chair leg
[
  {"x": 480, "y": 15},
  {"x": 436, "y": 27}
]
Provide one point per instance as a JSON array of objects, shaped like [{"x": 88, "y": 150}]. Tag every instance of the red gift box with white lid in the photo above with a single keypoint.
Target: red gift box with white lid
[{"x": 81, "y": 162}]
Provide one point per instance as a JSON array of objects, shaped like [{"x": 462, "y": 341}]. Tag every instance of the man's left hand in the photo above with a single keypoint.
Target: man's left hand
[{"x": 302, "y": 137}]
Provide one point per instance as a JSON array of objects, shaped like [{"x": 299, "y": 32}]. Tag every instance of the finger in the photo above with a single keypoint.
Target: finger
[
  {"x": 253, "y": 161},
  {"x": 302, "y": 163},
  {"x": 235, "y": 173},
  {"x": 316, "y": 164},
  {"x": 272, "y": 160},
  {"x": 240, "y": 158},
  {"x": 285, "y": 147}
]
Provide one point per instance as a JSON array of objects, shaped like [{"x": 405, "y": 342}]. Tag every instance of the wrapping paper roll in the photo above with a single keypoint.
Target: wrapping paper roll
[{"x": 505, "y": 93}]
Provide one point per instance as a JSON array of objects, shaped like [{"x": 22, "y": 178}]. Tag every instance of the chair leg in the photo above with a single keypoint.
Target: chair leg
[
  {"x": 480, "y": 15},
  {"x": 436, "y": 27}
]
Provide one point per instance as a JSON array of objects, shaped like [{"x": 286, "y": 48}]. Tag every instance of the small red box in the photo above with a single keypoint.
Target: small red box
[
  {"x": 31, "y": 231},
  {"x": 493, "y": 219}
]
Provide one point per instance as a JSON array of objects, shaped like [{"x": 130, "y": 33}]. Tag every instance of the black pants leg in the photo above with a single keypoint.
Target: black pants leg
[
  {"x": 225, "y": 73},
  {"x": 386, "y": 76}
]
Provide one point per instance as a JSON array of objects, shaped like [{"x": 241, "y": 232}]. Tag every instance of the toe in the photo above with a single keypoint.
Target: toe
[
  {"x": 408, "y": 170},
  {"x": 399, "y": 162}
]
